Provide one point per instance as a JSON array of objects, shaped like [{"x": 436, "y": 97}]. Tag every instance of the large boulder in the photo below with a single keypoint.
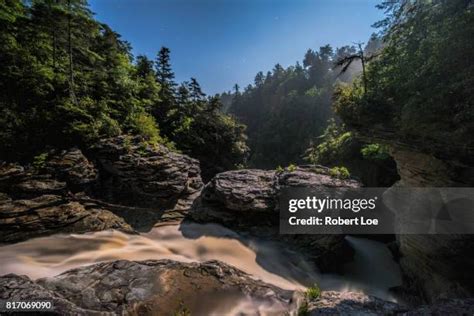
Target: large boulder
[
  {"x": 151, "y": 287},
  {"x": 247, "y": 201},
  {"x": 133, "y": 172},
  {"x": 236, "y": 197}
]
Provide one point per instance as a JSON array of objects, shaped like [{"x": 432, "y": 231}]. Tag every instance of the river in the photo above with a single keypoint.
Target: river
[{"x": 373, "y": 270}]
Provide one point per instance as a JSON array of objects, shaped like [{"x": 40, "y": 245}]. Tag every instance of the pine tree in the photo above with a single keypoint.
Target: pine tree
[
  {"x": 196, "y": 91},
  {"x": 144, "y": 67},
  {"x": 165, "y": 76},
  {"x": 259, "y": 79}
]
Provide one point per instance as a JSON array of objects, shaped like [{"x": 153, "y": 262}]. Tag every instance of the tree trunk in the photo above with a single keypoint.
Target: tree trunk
[{"x": 71, "y": 70}]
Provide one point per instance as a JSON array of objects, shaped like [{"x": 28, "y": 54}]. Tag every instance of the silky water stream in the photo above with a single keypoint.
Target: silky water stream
[{"x": 372, "y": 271}]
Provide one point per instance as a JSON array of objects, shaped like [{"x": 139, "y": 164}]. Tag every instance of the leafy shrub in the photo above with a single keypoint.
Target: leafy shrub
[
  {"x": 39, "y": 161},
  {"x": 89, "y": 120},
  {"x": 335, "y": 144},
  {"x": 127, "y": 143},
  {"x": 292, "y": 167},
  {"x": 313, "y": 292},
  {"x": 375, "y": 152},
  {"x": 339, "y": 172},
  {"x": 303, "y": 309},
  {"x": 145, "y": 125}
]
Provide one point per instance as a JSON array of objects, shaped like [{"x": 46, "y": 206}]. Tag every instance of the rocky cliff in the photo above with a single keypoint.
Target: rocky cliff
[
  {"x": 120, "y": 183},
  {"x": 435, "y": 266}
]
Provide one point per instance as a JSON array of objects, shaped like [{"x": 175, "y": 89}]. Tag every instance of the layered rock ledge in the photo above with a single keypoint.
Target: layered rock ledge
[
  {"x": 123, "y": 182},
  {"x": 133, "y": 172},
  {"x": 247, "y": 201}
]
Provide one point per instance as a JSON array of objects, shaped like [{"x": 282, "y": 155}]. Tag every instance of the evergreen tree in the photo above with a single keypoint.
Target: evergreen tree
[
  {"x": 144, "y": 67},
  {"x": 165, "y": 76},
  {"x": 195, "y": 91},
  {"x": 259, "y": 79}
]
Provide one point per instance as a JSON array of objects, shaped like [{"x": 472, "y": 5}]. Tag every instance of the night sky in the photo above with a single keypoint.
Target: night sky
[{"x": 223, "y": 42}]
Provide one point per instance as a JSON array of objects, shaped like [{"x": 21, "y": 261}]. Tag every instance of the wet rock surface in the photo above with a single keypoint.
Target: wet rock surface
[
  {"x": 152, "y": 287},
  {"x": 247, "y": 201}
]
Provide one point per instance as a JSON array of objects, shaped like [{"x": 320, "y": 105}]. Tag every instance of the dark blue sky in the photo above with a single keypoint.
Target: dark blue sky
[{"x": 223, "y": 42}]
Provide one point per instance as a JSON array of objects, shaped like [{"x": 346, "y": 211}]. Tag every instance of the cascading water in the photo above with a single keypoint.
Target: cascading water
[{"x": 373, "y": 270}]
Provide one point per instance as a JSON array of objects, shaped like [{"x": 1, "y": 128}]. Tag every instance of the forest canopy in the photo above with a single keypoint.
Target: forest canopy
[
  {"x": 68, "y": 79},
  {"x": 420, "y": 87},
  {"x": 286, "y": 109}
]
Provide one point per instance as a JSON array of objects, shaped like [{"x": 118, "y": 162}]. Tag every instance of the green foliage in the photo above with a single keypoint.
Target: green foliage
[
  {"x": 420, "y": 85},
  {"x": 288, "y": 107},
  {"x": 303, "y": 309},
  {"x": 127, "y": 143},
  {"x": 334, "y": 144},
  {"x": 88, "y": 120},
  {"x": 39, "y": 161},
  {"x": 291, "y": 167},
  {"x": 279, "y": 169},
  {"x": 67, "y": 79},
  {"x": 370, "y": 164},
  {"x": 142, "y": 149},
  {"x": 145, "y": 125},
  {"x": 313, "y": 292},
  {"x": 182, "y": 310},
  {"x": 339, "y": 172},
  {"x": 375, "y": 152},
  {"x": 214, "y": 138}
]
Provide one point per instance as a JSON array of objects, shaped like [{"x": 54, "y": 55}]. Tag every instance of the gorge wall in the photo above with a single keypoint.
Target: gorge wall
[{"x": 435, "y": 266}]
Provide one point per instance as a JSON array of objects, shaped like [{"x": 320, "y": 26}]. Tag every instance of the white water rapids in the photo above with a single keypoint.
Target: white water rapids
[{"x": 373, "y": 270}]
